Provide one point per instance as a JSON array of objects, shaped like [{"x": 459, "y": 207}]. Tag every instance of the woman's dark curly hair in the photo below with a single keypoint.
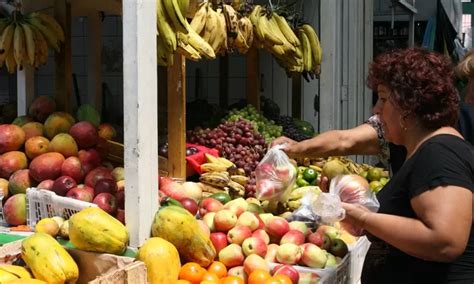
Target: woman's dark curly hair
[{"x": 422, "y": 84}]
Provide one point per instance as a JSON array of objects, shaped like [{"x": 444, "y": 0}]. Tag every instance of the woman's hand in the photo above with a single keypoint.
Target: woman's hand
[
  {"x": 356, "y": 214},
  {"x": 282, "y": 140}
]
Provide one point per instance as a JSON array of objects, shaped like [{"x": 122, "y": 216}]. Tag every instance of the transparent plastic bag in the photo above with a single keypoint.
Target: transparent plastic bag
[
  {"x": 354, "y": 189},
  {"x": 275, "y": 175},
  {"x": 322, "y": 208}
]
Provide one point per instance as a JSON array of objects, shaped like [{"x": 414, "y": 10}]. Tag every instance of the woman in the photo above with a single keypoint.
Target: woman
[{"x": 425, "y": 213}]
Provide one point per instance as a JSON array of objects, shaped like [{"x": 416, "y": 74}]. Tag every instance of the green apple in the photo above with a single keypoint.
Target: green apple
[
  {"x": 339, "y": 248},
  {"x": 331, "y": 260}
]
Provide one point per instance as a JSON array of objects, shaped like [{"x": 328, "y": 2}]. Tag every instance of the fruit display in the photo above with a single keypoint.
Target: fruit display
[
  {"x": 162, "y": 259},
  {"x": 290, "y": 129},
  {"x": 25, "y": 39}
]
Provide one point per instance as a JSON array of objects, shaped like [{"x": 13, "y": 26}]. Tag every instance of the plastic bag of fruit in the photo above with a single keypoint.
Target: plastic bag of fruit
[
  {"x": 275, "y": 175},
  {"x": 321, "y": 208},
  {"x": 354, "y": 189}
]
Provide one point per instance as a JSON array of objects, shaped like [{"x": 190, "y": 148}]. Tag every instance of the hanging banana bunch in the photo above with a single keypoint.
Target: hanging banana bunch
[
  {"x": 312, "y": 52},
  {"x": 26, "y": 39}
]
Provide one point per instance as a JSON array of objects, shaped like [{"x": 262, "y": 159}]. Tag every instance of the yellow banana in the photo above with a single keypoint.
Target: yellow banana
[
  {"x": 269, "y": 30},
  {"x": 222, "y": 48},
  {"x": 199, "y": 20},
  {"x": 307, "y": 53},
  {"x": 51, "y": 24},
  {"x": 6, "y": 276},
  {"x": 18, "y": 271},
  {"x": 10, "y": 61},
  {"x": 173, "y": 11},
  {"x": 213, "y": 167},
  {"x": 188, "y": 51},
  {"x": 166, "y": 32},
  {"x": 286, "y": 30},
  {"x": 287, "y": 46},
  {"x": 225, "y": 162},
  {"x": 19, "y": 45},
  {"x": 242, "y": 180},
  {"x": 29, "y": 43},
  {"x": 200, "y": 45},
  {"x": 315, "y": 45},
  {"x": 211, "y": 159},
  {"x": 47, "y": 33},
  {"x": 6, "y": 40},
  {"x": 41, "y": 48},
  {"x": 211, "y": 26}
]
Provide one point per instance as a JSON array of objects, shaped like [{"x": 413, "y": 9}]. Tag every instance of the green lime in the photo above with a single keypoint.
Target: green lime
[
  {"x": 310, "y": 174},
  {"x": 302, "y": 182},
  {"x": 222, "y": 197},
  {"x": 375, "y": 186},
  {"x": 384, "y": 180},
  {"x": 374, "y": 174},
  {"x": 255, "y": 208},
  {"x": 301, "y": 170}
]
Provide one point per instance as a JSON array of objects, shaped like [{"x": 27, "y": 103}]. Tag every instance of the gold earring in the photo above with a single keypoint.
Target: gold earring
[{"x": 403, "y": 126}]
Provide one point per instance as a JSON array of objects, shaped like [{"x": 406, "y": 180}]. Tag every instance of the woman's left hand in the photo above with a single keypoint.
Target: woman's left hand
[{"x": 356, "y": 214}]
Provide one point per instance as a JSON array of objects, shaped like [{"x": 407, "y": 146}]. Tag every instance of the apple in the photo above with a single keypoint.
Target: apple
[
  {"x": 331, "y": 231},
  {"x": 339, "y": 248},
  {"x": 254, "y": 245},
  {"x": 224, "y": 220},
  {"x": 266, "y": 189},
  {"x": 253, "y": 200},
  {"x": 249, "y": 220},
  {"x": 293, "y": 237},
  {"x": 238, "y": 206},
  {"x": 231, "y": 256},
  {"x": 106, "y": 202},
  {"x": 265, "y": 217},
  {"x": 283, "y": 173},
  {"x": 331, "y": 260},
  {"x": 120, "y": 197},
  {"x": 173, "y": 190},
  {"x": 238, "y": 234},
  {"x": 209, "y": 220},
  {"x": 162, "y": 181},
  {"x": 219, "y": 240},
  {"x": 327, "y": 242},
  {"x": 205, "y": 229},
  {"x": 120, "y": 215},
  {"x": 90, "y": 159},
  {"x": 106, "y": 185},
  {"x": 313, "y": 256},
  {"x": 192, "y": 190},
  {"x": 254, "y": 262},
  {"x": 63, "y": 184},
  {"x": 300, "y": 226},
  {"x": 81, "y": 193},
  {"x": 209, "y": 205},
  {"x": 288, "y": 254},
  {"x": 261, "y": 234},
  {"x": 288, "y": 270},
  {"x": 277, "y": 226},
  {"x": 46, "y": 184},
  {"x": 120, "y": 185},
  {"x": 190, "y": 205},
  {"x": 72, "y": 167},
  {"x": 118, "y": 173},
  {"x": 316, "y": 238},
  {"x": 272, "y": 249},
  {"x": 97, "y": 174},
  {"x": 238, "y": 271}
]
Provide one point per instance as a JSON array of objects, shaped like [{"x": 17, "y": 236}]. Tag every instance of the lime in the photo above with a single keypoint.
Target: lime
[
  {"x": 222, "y": 197},
  {"x": 384, "y": 180},
  {"x": 310, "y": 174},
  {"x": 301, "y": 170},
  {"x": 374, "y": 174},
  {"x": 375, "y": 186},
  {"x": 301, "y": 182}
]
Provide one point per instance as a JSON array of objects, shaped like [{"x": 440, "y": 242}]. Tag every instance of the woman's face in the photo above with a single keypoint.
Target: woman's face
[{"x": 390, "y": 116}]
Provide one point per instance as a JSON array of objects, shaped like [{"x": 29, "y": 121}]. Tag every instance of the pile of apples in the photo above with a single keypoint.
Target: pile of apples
[{"x": 246, "y": 241}]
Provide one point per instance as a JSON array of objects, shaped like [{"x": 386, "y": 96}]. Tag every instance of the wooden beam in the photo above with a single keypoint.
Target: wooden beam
[
  {"x": 177, "y": 117},
  {"x": 296, "y": 95},
  {"x": 63, "y": 70},
  {"x": 253, "y": 78},
  {"x": 140, "y": 117},
  {"x": 224, "y": 81},
  {"x": 94, "y": 60}
]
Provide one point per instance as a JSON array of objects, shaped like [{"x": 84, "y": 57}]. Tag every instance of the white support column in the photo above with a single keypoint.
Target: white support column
[
  {"x": 140, "y": 117},
  {"x": 25, "y": 81},
  {"x": 94, "y": 60}
]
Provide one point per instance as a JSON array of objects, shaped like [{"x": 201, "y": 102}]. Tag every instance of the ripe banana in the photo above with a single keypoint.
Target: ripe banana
[
  {"x": 213, "y": 167},
  {"x": 51, "y": 24},
  {"x": 215, "y": 179},
  {"x": 242, "y": 180},
  {"x": 286, "y": 30},
  {"x": 29, "y": 43},
  {"x": 188, "y": 51},
  {"x": 199, "y": 20},
  {"x": 174, "y": 13},
  {"x": 6, "y": 41},
  {"x": 19, "y": 45},
  {"x": 50, "y": 36},
  {"x": 18, "y": 271},
  {"x": 236, "y": 188},
  {"x": 307, "y": 53},
  {"x": 315, "y": 47},
  {"x": 167, "y": 34},
  {"x": 207, "y": 188}
]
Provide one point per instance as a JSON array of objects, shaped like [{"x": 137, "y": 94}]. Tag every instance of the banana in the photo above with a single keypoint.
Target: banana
[
  {"x": 293, "y": 205},
  {"x": 167, "y": 34},
  {"x": 270, "y": 30},
  {"x": 188, "y": 51},
  {"x": 198, "y": 43},
  {"x": 6, "y": 276},
  {"x": 41, "y": 48},
  {"x": 174, "y": 13},
  {"x": 225, "y": 162},
  {"x": 210, "y": 28},
  {"x": 6, "y": 40},
  {"x": 211, "y": 189},
  {"x": 51, "y": 24},
  {"x": 213, "y": 167},
  {"x": 48, "y": 34},
  {"x": 287, "y": 46},
  {"x": 214, "y": 179},
  {"x": 236, "y": 188},
  {"x": 29, "y": 43},
  {"x": 307, "y": 53},
  {"x": 183, "y": 6},
  {"x": 315, "y": 46},
  {"x": 242, "y": 180},
  {"x": 286, "y": 30},
  {"x": 300, "y": 192},
  {"x": 199, "y": 20},
  {"x": 223, "y": 45},
  {"x": 211, "y": 159},
  {"x": 19, "y": 45},
  {"x": 18, "y": 271},
  {"x": 10, "y": 61}
]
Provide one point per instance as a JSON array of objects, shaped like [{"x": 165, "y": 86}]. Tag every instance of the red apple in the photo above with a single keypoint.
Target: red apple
[
  {"x": 293, "y": 237},
  {"x": 190, "y": 205},
  {"x": 219, "y": 240},
  {"x": 106, "y": 185},
  {"x": 316, "y": 238},
  {"x": 81, "y": 193},
  {"x": 238, "y": 234},
  {"x": 289, "y": 253},
  {"x": 224, "y": 220},
  {"x": 97, "y": 174},
  {"x": 162, "y": 181},
  {"x": 173, "y": 190},
  {"x": 46, "y": 184},
  {"x": 288, "y": 270},
  {"x": 72, "y": 167},
  {"x": 209, "y": 205},
  {"x": 254, "y": 245},
  {"x": 120, "y": 197},
  {"x": 90, "y": 159},
  {"x": 261, "y": 234},
  {"x": 106, "y": 202},
  {"x": 277, "y": 227},
  {"x": 63, "y": 184},
  {"x": 120, "y": 215}
]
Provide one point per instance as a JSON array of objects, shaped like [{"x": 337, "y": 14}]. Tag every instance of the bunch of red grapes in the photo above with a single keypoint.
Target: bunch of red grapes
[{"x": 237, "y": 141}]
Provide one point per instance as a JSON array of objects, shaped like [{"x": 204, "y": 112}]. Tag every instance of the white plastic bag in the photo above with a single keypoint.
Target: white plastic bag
[
  {"x": 275, "y": 175},
  {"x": 322, "y": 208},
  {"x": 354, "y": 189}
]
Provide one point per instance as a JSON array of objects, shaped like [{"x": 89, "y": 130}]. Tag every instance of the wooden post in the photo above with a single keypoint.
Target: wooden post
[
  {"x": 140, "y": 117},
  {"x": 177, "y": 117},
  {"x": 296, "y": 95},
  {"x": 63, "y": 71},
  {"x": 224, "y": 81},
  {"x": 94, "y": 60},
  {"x": 253, "y": 78}
]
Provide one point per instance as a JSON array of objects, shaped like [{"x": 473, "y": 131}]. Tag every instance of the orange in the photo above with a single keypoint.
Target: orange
[
  {"x": 258, "y": 276},
  {"x": 183, "y": 282},
  {"x": 283, "y": 279},
  {"x": 233, "y": 280},
  {"x": 218, "y": 268},
  {"x": 192, "y": 271},
  {"x": 209, "y": 282},
  {"x": 208, "y": 276}
]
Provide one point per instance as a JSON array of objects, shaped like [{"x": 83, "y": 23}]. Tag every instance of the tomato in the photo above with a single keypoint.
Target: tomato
[
  {"x": 258, "y": 276},
  {"x": 218, "y": 268},
  {"x": 232, "y": 280},
  {"x": 192, "y": 271},
  {"x": 283, "y": 279}
]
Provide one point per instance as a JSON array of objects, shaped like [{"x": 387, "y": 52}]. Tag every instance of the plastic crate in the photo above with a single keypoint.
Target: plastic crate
[{"x": 42, "y": 203}]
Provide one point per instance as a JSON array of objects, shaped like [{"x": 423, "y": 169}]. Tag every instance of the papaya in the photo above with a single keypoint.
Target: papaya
[
  {"x": 92, "y": 229},
  {"x": 48, "y": 260},
  {"x": 161, "y": 259},
  {"x": 179, "y": 227}
]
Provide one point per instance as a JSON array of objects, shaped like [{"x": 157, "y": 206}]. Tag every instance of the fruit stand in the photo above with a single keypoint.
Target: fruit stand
[{"x": 221, "y": 223}]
